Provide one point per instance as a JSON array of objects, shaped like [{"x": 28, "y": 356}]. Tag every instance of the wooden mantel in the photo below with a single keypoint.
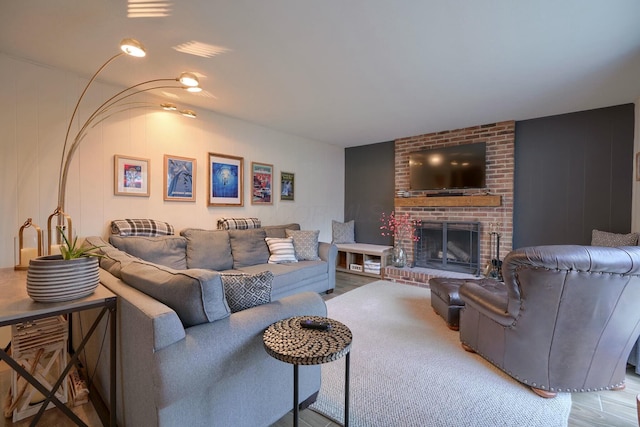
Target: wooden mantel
[{"x": 449, "y": 201}]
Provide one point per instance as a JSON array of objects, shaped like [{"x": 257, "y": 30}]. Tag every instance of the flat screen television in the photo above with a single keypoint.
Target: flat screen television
[{"x": 448, "y": 168}]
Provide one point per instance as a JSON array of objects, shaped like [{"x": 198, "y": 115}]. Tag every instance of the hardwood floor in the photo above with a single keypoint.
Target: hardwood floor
[{"x": 606, "y": 408}]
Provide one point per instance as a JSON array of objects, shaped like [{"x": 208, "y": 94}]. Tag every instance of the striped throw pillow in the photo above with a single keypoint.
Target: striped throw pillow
[{"x": 281, "y": 250}]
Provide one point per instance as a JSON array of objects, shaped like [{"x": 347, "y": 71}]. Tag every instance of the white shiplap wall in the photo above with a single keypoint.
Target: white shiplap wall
[{"x": 37, "y": 104}]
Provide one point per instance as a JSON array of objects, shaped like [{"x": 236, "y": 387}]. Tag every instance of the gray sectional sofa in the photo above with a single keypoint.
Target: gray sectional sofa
[{"x": 183, "y": 357}]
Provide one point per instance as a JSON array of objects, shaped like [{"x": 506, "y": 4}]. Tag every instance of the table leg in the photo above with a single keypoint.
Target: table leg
[
  {"x": 112, "y": 367},
  {"x": 346, "y": 390},
  {"x": 295, "y": 396}
]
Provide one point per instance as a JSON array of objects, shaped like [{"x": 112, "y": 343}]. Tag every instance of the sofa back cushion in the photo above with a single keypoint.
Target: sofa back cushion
[
  {"x": 197, "y": 296},
  {"x": 209, "y": 249},
  {"x": 165, "y": 250},
  {"x": 248, "y": 247},
  {"x": 112, "y": 259},
  {"x": 279, "y": 230}
]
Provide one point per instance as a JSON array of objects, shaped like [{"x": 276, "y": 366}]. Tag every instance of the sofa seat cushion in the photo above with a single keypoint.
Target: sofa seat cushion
[
  {"x": 291, "y": 276},
  {"x": 164, "y": 250},
  {"x": 208, "y": 249},
  {"x": 197, "y": 296},
  {"x": 248, "y": 247}
]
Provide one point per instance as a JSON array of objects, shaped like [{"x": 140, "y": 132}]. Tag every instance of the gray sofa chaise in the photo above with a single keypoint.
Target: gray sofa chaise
[{"x": 183, "y": 358}]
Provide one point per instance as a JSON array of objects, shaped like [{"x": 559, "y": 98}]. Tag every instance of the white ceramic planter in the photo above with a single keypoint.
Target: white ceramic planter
[{"x": 53, "y": 279}]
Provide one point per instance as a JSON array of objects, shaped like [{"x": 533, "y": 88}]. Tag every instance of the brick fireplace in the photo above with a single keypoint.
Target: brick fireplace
[{"x": 499, "y": 139}]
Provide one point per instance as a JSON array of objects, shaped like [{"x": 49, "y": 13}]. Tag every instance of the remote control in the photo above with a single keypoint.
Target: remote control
[{"x": 312, "y": 324}]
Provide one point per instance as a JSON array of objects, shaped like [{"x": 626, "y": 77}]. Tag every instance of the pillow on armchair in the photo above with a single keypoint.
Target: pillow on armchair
[{"x": 603, "y": 238}]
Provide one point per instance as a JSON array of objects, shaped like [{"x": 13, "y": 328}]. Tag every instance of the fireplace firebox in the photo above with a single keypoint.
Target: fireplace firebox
[{"x": 446, "y": 245}]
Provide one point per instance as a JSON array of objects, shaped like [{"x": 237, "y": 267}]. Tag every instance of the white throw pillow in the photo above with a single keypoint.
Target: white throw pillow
[{"x": 281, "y": 249}]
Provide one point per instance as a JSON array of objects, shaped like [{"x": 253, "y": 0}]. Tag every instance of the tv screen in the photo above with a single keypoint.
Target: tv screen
[{"x": 456, "y": 167}]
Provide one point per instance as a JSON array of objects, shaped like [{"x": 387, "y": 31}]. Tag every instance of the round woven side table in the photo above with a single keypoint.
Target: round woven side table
[{"x": 289, "y": 342}]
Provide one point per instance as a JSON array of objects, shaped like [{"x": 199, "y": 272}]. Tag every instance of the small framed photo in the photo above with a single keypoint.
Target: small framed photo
[
  {"x": 262, "y": 184},
  {"x": 131, "y": 176},
  {"x": 287, "y": 185},
  {"x": 225, "y": 180},
  {"x": 179, "y": 178}
]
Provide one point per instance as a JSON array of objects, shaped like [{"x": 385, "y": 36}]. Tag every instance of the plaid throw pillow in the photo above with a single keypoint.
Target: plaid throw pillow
[
  {"x": 305, "y": 243},
  {"x": 141, "y": 227},
  {"x": 238, "y": 223},
  {"x": 247, "y": 290}
]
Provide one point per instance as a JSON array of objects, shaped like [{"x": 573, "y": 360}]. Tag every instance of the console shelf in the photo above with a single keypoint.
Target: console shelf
[
  {"x": 449, "y": 201},
  {"x": 363, "y": 259}
]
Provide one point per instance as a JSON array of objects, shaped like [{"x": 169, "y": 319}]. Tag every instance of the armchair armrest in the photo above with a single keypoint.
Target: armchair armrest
[{"x": 491, "y": 301}]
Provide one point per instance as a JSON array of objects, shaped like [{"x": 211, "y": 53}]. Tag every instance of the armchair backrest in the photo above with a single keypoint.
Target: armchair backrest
[
  {"x": 577, "y": 307},
  {"x": 565, "y": 267}
]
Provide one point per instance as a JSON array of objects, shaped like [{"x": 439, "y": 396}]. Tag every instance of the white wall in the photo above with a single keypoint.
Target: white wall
[{"x": 38, "y": 102}]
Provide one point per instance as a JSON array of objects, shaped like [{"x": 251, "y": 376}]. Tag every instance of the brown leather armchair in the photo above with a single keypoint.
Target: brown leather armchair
[{"x": 568, "y": 320}]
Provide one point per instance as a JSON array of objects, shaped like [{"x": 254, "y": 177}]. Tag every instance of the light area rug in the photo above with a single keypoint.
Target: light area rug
[{"x": 408, "y": 369}]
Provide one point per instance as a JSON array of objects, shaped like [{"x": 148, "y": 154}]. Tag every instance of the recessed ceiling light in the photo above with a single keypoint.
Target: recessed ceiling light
[
  {"x": 200, "y": 49},
  {"x": 148, "y": 9}
]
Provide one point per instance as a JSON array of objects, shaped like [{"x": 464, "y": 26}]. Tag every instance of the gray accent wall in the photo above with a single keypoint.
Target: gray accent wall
[
  {"x": 573, "y": 173},
  {"x": 369, "y": 189}
]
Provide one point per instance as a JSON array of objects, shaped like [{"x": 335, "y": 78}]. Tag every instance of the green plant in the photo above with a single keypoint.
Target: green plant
[{"x": 72, "y": 250}]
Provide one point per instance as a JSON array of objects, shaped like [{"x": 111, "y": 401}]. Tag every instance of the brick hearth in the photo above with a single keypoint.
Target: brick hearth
[{"x": 500, "y": 140}]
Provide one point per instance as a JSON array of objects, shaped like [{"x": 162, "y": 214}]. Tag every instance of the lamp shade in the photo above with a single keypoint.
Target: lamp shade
[
  {"x": 189, "y": 79},
  {"x": 132, "y": 47}
]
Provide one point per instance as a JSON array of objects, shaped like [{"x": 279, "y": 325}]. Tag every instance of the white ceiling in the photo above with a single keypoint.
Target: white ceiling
[{"x": 353, "y": 72}]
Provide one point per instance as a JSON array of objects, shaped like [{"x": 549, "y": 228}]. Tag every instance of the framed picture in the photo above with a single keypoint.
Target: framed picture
[
  {"x": 179, "y": 178},
  {"x": 225, "y": 180},
  {"x": 287, "y": 185},
  {"x": 262, "y": 184},
  {"x": 131, "y": 176}
]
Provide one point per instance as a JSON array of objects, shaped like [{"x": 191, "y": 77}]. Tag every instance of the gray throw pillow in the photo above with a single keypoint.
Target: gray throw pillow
[
  {"x": 164, "y": 250},
  {"x": 209, "y": 249},
  {"x": 343, "y": 232},
  {"x": 247, "y": 290},
  {"x": 248, "y": 247},
  {"x": 305, "y": 243},
  {"x": 603, "y": 238},
  {"x": 197, "y": 296}
]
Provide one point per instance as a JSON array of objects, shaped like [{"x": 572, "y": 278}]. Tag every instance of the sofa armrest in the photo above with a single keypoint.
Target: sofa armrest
[
  {"x": 329, "y": 252},
  {"x": 224, "y": 348},
  {"x": 156, "y": 320}
]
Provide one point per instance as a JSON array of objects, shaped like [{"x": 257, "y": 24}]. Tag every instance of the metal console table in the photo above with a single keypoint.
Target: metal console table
[{"x": 17, "y": 307}]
